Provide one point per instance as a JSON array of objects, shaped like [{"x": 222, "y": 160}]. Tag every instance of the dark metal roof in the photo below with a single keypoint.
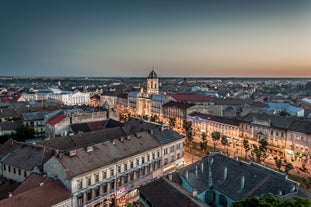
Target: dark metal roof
[
  {"x": 162, "y": 192},
  {"x": 257, "y": 179},
  {"x": 152, "y": 75}
]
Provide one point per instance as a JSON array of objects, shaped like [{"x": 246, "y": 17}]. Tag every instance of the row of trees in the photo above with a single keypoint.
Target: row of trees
[{"x": 270, "y": 200}]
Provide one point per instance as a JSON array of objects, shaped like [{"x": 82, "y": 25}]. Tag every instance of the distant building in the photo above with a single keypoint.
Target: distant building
[
  {"x": 149, "y": 102},
  {"x": 277, "y": 108},
  {"x": 65, "y": 97}
]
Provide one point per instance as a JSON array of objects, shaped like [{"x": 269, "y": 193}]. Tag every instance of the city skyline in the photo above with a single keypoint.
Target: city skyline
[{"x": 180, "y": 38}]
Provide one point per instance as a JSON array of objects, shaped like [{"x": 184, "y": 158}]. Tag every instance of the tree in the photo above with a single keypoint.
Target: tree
[
  {"x": 187, "y": 125},
  {"x": 259, "y": 153},
  {"x": 203, "y": 143},
  {"x": 215, "y": 137},
  {"x": 224, "y": 141},
  {"x": 288, "y": 166},
  {"x": 24, "y": 132},
  {"x": 246, "y": 147},
  {"x": 172, "y": 122},
  {"x": 278, "y": 163},
  {"x": 145, "y": 117},
  {"x": 271, "y": 200},
  {"x": 154, "y": 118}
]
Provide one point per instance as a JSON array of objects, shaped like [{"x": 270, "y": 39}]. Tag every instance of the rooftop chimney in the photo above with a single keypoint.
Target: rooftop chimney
[
  {"x": 196, "y": 170},
  {"x": 210, "y": 176},
  {"x": 225, "y": 173},
  {"x": 242, "y": 182}
]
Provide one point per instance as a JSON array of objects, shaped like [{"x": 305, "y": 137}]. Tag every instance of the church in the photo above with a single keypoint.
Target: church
[{"x": 148, "y": 102}]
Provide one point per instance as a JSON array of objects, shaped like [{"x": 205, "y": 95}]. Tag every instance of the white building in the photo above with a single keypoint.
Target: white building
[
  {"x": 110, "y": 171},
  {"x": 66, "y": 97}
]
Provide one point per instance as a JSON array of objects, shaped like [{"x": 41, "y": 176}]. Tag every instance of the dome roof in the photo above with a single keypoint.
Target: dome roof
[{"x": 153, "y": 75}]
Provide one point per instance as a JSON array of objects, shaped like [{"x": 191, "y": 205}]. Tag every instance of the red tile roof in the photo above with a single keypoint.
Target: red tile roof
[
  {"x": 56, "y": 119},
  {"x": 191, "y": 97},
  {"x": 97, "y": 125},
  {"x": 48, "y": 194}
]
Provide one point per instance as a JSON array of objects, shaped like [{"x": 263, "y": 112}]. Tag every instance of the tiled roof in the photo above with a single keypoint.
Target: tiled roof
[
  {"x": 178, "y": 105},
  {"x": 216, "y": 118},
  {"x": 33, "y": 116},
  {"x": 56, "y": 119},
  {"x": 191, "y": 97},
  {"x": 227, "y": 176},
  {"x": 32, "y": 181},
  {"x": 162, "y": 192},
  {"x": 50, "y": 193},
  {"x": 134, "y": 125},
  {"x": 163, "y": 134},
  {"x": 303, "y": 126},
  {"x": 24, "y": 156},
  {"x": 233, "y": 101},
  {"x": 84, "y": 139},
  {"x": 276, "y": 121},
  {"x": 97, "y": 125},
  {"x": 106, "y": 153},
  {"x": 10, "y": 126},
  {"x": 80, "y": 127}
]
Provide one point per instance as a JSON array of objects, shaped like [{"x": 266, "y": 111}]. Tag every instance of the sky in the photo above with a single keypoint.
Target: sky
[{"x": 194, "y": 38}]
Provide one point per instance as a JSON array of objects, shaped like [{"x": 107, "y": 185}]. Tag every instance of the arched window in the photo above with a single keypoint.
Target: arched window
[{"x": 222, "y": 201}]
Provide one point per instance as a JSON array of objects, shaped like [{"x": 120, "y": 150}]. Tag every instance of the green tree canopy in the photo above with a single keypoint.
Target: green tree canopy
[{"x": 271, "y": 200}]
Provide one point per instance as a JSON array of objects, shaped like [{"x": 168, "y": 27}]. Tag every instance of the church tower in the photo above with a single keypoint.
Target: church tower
[{"x": 153, "y": 83}]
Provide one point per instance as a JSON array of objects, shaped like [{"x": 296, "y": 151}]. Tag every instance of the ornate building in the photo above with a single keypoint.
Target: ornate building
[{"x": 148, "y": 102}]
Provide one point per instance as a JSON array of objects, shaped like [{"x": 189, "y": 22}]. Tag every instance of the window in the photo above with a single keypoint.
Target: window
[
  {"x": 142, "y": 160},
  {"x": 105, "y": 189},
  {"x": 119, "y": 168},
  {"x": 165, "y": 161},
  {"x": 9, "y": 168},
  {"x": 172, "y": 149},
  {"x": 132, "y": 176},
  {"x": 88, "y": 181},
  {"x": 111, "y": 172},
  {"x": 165, "y": 151},
  {"x": 96, "y": 191},
  {"x": 4, "y": 167},
  {"x": 89, "y": 195},
  {"x": 172, "y": 158},
  {"x": 25, "y": 174},
  {"x": 158, "y": 154},
  {"x": 148, "y": 158},
  {"x": 119, "y": 182},
  {"x": 105, "y": 174},
  {"x": 137, "y": 162},
  {"x": 222, "y": 201},
  {"x": 153, "y": 155},
  {"x": 96, "y": 177},
  {"x": 125, "y": 166},
  {"x": 14, "y": 170},
  {"x": 80, "y": 199},
  {"x": 132, "y": 164},
  {"x": 19, "y": 172},
  {"x": 79, "y": 184},
  {"x": 125, "y": 179},
  {"x": 178, "y": 146}
]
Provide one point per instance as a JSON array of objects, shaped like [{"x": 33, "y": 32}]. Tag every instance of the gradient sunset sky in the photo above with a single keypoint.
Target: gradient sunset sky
[{"x": 195, "y": 38}]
